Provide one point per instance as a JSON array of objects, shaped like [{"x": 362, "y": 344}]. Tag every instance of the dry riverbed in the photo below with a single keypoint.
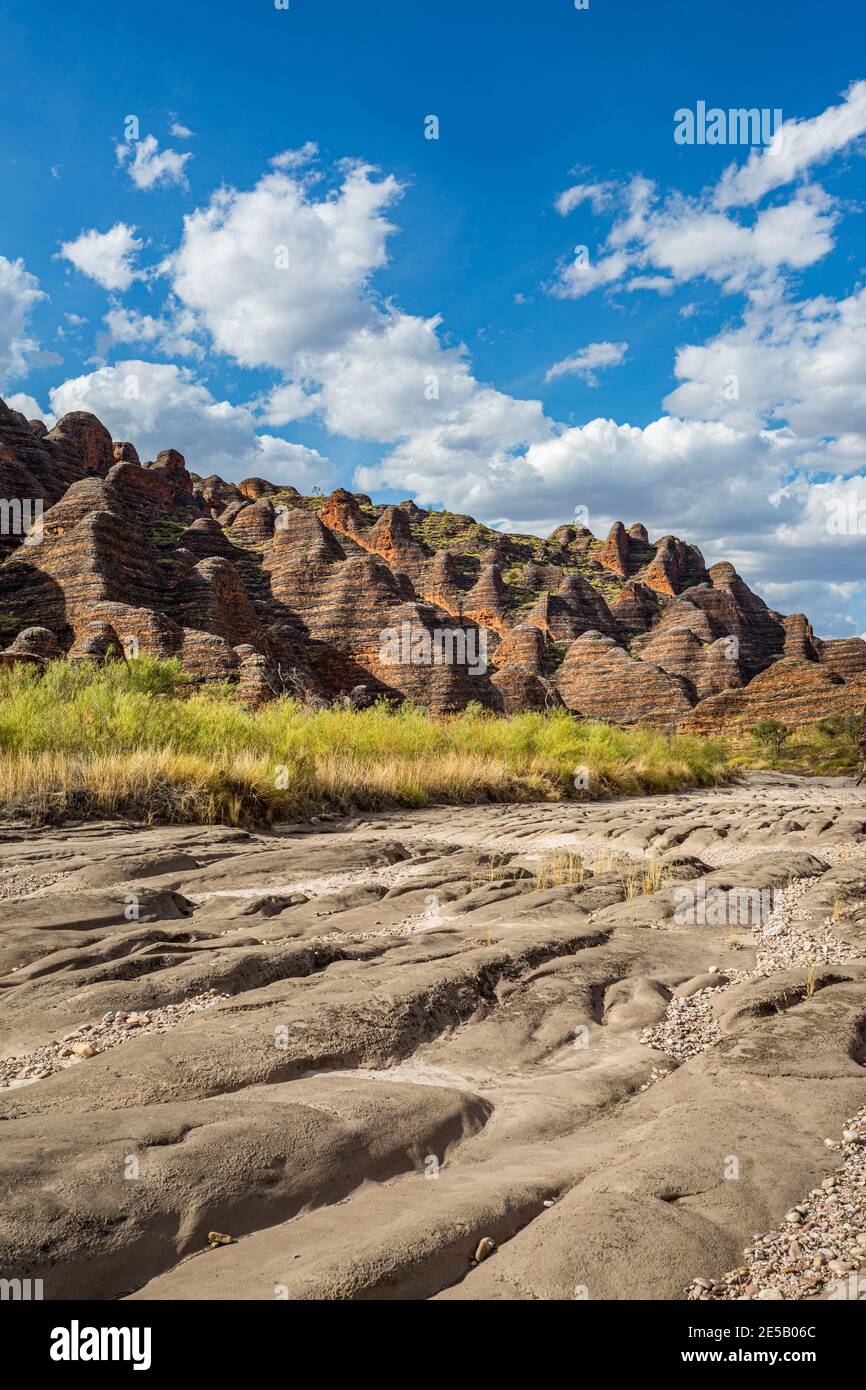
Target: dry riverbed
[{"x": 518, "y": 1052}]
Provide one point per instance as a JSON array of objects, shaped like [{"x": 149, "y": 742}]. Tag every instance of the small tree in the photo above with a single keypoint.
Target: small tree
[
  {"x": 772, "y": 734},
  {"x": 844, "y": 727}
]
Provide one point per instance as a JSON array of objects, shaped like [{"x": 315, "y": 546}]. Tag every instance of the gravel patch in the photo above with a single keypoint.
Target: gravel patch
[
  {"x": 657, "y": 1074},
  {"x": 785, "y": 941},
  {"x": 92, "y": 1038},
  {"x": 822, "y": 1239},
  {"x": 428, "y": 920},
  {"x": 18, "y": 883},
  {"x": 687, "y": 1028},
  {"x": 723, "y": 853}
]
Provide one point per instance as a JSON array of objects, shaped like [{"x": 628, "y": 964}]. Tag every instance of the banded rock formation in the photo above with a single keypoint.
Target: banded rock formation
[{"x": 254, "y": 583}]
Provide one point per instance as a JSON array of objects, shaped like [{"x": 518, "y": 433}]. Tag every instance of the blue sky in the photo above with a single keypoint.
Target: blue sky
[{"x": 409, "y": 261}]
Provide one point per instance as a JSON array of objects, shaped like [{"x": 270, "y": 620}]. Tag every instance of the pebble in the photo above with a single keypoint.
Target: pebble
[
  {"x": 656, "y": 1074},
  {"x": 485, "y": 1248}
]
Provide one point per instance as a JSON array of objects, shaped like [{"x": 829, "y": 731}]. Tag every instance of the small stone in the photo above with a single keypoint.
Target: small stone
[
  {"x": 484, "y": 1249},
  {"x": 771, "y": 1295}
]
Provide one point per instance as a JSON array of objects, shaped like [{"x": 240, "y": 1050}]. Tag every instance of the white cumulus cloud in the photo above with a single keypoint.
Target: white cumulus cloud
[
  {"x": 172, "y": 332},
  {"x": 796, "y": 146},
  {"x": 598, "y": 195},
  {"x": 275, "y": 271},
  {"x": 150, "y": 167},
  {"x": 19, "y": 292},
  {"x": 29, "y": 406},
  {"x": 160, "y": 406},
  {"x": 296, "y": 159},
  {"x": 107, "y": 257},
  {"x": 588, "y": 362}
]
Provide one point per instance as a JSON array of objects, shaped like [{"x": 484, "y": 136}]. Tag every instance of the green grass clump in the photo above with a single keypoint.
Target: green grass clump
[
  {"x": 826, "y": 748},
  {"x": 134, "y": 738}
]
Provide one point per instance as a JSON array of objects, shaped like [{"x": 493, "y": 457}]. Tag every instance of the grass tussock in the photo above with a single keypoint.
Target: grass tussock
[
  {"x": 130, "y": 739},
  {"x": 558, "y": 869},
  {"x": 637, "y": 877},
  {"x": 811, "y": 979}
]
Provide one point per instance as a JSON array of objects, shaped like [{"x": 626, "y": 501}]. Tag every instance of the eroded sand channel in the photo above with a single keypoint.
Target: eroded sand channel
[{"x": 439, "y": 1026}]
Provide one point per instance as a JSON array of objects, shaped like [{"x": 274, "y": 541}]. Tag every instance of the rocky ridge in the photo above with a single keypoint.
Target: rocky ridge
[{"x": 278, "y": 592}]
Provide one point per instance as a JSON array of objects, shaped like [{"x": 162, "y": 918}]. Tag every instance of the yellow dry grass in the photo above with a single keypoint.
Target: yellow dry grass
[
  {"x": 558, "y": 869},
  {"x": 130, "y": 739}
]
